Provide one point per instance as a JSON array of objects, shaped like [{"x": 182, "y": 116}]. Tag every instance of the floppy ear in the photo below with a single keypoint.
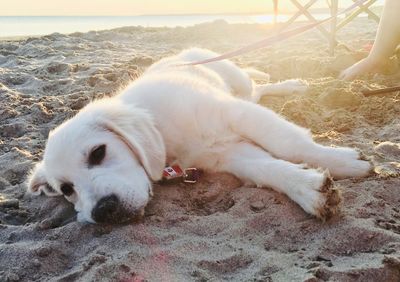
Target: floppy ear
[
  {"x": 136, "y": 128},
  {"x": 37, "y": 182}
]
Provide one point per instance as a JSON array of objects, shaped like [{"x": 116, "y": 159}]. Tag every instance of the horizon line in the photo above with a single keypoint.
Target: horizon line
[{"x": 317, "y": 10}]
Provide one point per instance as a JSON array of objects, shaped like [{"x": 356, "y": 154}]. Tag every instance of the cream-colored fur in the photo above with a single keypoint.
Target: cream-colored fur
[{"x": 202, "y": 116}]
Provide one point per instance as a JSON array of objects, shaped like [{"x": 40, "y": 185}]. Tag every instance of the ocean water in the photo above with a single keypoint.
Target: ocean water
[{"x": 35, "y": 25}]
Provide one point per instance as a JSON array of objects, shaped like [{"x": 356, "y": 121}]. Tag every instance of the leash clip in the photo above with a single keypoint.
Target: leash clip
[
  {"x": 191, "y": 175},
  {"x": 175, "y": 172}
]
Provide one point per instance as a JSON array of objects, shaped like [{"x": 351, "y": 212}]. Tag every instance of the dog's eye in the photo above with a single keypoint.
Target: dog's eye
[
  {"x": 67, "y": 189},
  {"x": 97, "y": 155}
]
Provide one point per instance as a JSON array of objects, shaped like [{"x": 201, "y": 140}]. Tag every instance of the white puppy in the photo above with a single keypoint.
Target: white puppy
[{"x": 105, "y": 158}]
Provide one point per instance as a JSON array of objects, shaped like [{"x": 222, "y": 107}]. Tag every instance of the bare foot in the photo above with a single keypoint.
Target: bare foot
[{"x": 362, "y": 67}]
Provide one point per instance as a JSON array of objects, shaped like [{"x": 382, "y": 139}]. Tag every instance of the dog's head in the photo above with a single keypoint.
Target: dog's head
[{"x": 103, "y": 161}]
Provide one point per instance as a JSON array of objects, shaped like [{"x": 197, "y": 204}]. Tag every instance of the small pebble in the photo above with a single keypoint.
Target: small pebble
[
  {"x": 313, "y": 265},
  {"x": 322, "y": 258},
  {"x": 124, "y": 268},
  {"x": 43, "y": 251},
  {"x": 257, "y": 205},
  {"x": 36, "y": 263},
  {"x": 45, "y": 224}
]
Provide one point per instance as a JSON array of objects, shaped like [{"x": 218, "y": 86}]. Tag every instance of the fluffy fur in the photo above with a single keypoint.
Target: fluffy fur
[{"x": 198, "y": 116}]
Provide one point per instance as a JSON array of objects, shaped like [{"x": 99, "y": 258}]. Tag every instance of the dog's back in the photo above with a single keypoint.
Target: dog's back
[{"x": 222, "y": 74}]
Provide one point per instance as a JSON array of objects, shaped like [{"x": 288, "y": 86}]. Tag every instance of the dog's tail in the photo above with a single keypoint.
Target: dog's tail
[{"x": 256, "y": 74}]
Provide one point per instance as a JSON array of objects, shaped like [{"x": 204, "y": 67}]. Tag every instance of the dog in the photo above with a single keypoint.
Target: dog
[{"x": 105, "y": 159}]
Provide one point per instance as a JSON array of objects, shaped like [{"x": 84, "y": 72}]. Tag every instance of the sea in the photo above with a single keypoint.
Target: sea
[{"x": 14, "y": 26}]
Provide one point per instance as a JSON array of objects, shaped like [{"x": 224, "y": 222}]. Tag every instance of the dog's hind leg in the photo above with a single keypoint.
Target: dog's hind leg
[
  {"x": 290, "y": 142},
  {"x": 310, "y": 188}
]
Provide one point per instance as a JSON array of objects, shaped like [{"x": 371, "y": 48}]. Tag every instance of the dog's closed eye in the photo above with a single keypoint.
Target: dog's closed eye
[
  {"x": 97, "y": 155},
  {"x": 67, "y": 189}
]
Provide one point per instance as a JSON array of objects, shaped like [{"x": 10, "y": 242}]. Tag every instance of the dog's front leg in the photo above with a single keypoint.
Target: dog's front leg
[
  {"x": 290, "y": 142},
  {"x": 310, "y": 188},
  {"x": 283, "y": 88}
]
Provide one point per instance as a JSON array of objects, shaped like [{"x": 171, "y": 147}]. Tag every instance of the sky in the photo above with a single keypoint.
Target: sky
[{"x": 140, "y": 7}]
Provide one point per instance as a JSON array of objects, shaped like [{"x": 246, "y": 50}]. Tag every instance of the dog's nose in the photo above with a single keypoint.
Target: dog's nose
[{"x": 106, "y": 209}]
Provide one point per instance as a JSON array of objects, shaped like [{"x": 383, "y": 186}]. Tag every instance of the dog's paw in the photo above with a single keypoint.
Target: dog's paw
[
  {"x": 330, "y": 200},
  {"x": 295, "y": 86},
  {"x": 320, "y": 197},
  {"x": 348, "y": 162}
]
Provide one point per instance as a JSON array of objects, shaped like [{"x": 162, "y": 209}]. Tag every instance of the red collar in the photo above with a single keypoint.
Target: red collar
[{"x": 175, "y": 172}]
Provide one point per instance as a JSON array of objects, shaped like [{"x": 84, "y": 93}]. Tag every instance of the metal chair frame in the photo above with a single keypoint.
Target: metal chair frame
[{"x": 330, "y": 34}]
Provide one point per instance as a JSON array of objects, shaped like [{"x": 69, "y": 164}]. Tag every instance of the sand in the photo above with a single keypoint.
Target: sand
[{"x": 215, "y": 230}]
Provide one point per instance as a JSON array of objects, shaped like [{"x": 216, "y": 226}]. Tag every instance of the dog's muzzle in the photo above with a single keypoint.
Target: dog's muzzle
[{"x": 109, "y": 210}]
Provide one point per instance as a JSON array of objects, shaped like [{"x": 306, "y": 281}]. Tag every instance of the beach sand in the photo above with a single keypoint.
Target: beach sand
[{"x": 215, "y": 230}]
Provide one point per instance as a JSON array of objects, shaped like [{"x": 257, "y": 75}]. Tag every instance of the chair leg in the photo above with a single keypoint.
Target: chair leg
[
  {"x": 334, "y": 12},
  {"x": 353, "y": 15},
  {"x": 308, "y": 15},
  {"x": 297, "y": 14},
  {"x": 275, "y": 21}
]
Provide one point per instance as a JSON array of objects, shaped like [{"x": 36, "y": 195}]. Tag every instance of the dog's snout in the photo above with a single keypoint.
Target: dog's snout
[{"x": 106, "y": 209}]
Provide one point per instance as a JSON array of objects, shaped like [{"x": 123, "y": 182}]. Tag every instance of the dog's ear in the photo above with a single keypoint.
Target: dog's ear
[
  {"x": 37, "y": 182},
  {"x": 136, "y": 128}
]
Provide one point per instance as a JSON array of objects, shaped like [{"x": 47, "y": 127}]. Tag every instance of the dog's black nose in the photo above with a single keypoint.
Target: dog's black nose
[{"x": 106, "y": 209}]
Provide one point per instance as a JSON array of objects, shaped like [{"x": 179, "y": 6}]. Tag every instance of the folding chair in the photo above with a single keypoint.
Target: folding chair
[{"x": 303, "y": 9}]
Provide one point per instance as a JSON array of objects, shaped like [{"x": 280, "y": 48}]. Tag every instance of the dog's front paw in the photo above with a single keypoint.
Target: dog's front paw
[{"x": 296, "y": 86}]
